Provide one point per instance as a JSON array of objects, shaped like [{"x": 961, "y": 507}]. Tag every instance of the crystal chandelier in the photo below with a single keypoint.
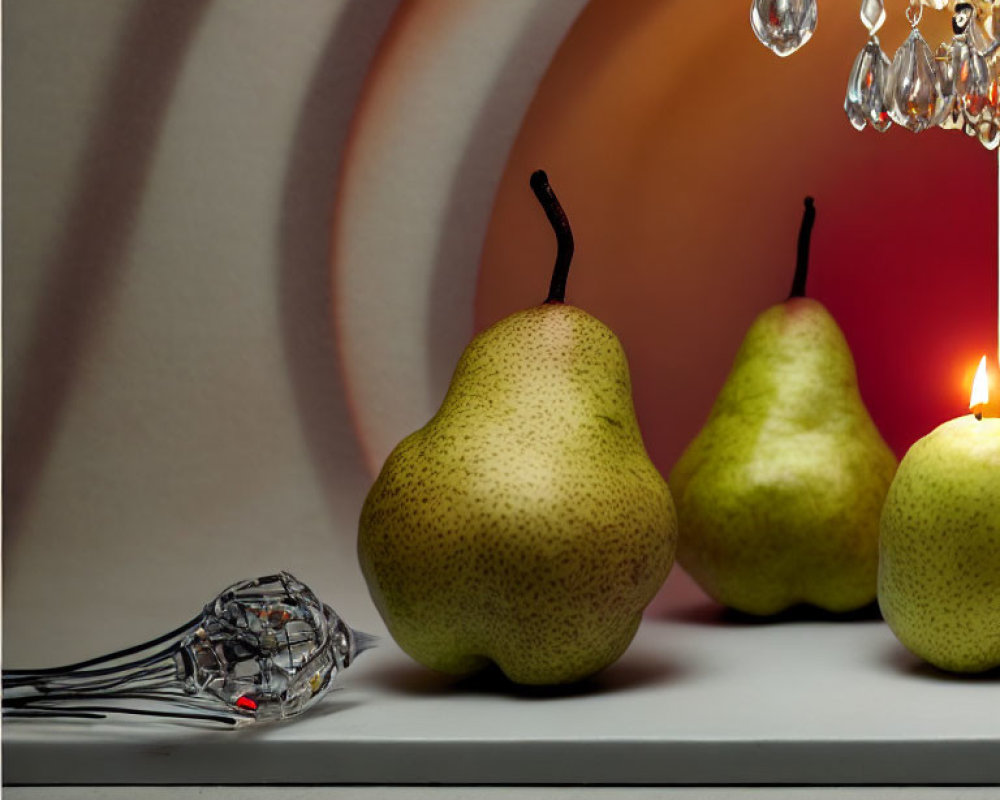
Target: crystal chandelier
[{"x": 955, "y": 87}]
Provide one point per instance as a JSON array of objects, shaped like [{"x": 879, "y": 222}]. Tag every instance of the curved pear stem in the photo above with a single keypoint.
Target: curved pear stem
[
  {"x": 564, "y": 235},
  {"x": 802, "y": 258}
]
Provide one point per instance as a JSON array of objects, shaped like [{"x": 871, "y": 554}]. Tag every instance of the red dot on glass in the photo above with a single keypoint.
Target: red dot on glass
[{"x": 246, "y": 702}]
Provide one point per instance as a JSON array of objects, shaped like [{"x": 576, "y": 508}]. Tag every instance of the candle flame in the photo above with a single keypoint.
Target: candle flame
[{"x": 980, "y": 387}]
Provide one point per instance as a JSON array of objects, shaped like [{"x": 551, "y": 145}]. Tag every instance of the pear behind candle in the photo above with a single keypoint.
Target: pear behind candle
[
  {"x": 939, "y": 550},
  {"x": 779, "y": 496}
]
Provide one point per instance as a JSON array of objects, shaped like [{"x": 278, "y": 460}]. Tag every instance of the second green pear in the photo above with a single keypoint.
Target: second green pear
[{"x": 779, "y": 496}]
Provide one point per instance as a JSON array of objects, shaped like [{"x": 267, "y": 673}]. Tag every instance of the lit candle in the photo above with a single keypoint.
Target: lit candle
[
  {"x": 980, "y": 391},
  {"x": 939, "y": 544}
]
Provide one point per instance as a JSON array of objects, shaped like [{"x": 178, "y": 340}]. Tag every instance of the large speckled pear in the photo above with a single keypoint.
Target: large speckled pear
[
  {"x": 779, "y": 496},
  {"x": 524, "y": 525},
  {"x": 939, "y": 567}
]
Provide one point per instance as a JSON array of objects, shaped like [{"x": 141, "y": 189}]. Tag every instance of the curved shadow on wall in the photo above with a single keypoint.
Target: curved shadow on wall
[
  {"x": 91, "y": 252},
  {"x": 304, "y": 280}
]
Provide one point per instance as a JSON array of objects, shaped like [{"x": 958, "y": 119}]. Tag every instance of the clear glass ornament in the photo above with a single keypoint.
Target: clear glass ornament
[
  {"x": 988, "y": 125},
  {"x": 993, "y": 93},
  {"x": 969, "y": 78},
  {"x": 263, "y": 649},
  {"x": 783, "y": 26},
  {"x": 951, "y": 117},
  {"x": 915, "y": 93},
  {"x": 866, "y": 101}
]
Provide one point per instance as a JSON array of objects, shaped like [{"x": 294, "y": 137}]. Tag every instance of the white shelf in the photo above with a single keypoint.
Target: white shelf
[{"x": 696, "y": 700}]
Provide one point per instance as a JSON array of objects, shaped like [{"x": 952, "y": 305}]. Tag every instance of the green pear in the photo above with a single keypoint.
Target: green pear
[
  {"x": 939, "y": 565},
  {"x": 779, "y": 495},
  {"x": 524, "y": 525}
]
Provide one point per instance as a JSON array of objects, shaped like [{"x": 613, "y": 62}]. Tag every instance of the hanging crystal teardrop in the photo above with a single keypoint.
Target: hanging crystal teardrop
[
  {"x": 872, "y": 15},
  {"x": 989, "y": 124},
  {"x": 993, "y": 94},
  {"x": 970, "y": 78},
  {"x": 950, "y": 117},
  {"x": 852, "y": 101},
  {"x": 865, "y": 102},
  {"x": 914, "y": 91},
  {"x": 783, "y": 26}
]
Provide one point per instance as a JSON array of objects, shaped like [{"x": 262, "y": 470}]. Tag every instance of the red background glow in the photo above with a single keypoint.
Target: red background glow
[{"x": 681, "y": 149}]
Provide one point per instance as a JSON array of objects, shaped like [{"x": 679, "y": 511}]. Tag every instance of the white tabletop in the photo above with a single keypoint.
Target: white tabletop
[{"x": 699, "y": 698}]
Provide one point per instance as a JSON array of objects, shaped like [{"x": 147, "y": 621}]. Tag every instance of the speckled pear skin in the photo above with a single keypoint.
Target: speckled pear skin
[
  {"x": 779, "y": 496},
  {"x": 939, "y": 551},
  {"x": 524, "y": 524}
]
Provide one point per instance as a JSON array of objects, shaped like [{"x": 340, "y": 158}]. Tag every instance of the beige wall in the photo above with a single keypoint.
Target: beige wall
[
  {"x": 174, "y": 417},
  {"x": 179, "y": 411}
]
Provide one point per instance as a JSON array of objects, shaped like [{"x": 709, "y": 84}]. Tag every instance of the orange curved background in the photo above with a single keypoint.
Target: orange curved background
[{"x": 681, "y": 149}]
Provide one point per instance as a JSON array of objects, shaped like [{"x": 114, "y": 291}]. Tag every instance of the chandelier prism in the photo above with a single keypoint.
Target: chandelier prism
[{"x": 954, "y": 87}]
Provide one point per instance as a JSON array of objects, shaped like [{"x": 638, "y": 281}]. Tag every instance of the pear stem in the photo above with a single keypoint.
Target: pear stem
[
  {"x": 564, "y": 235},
  {"x": 802, "y": 257}
]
